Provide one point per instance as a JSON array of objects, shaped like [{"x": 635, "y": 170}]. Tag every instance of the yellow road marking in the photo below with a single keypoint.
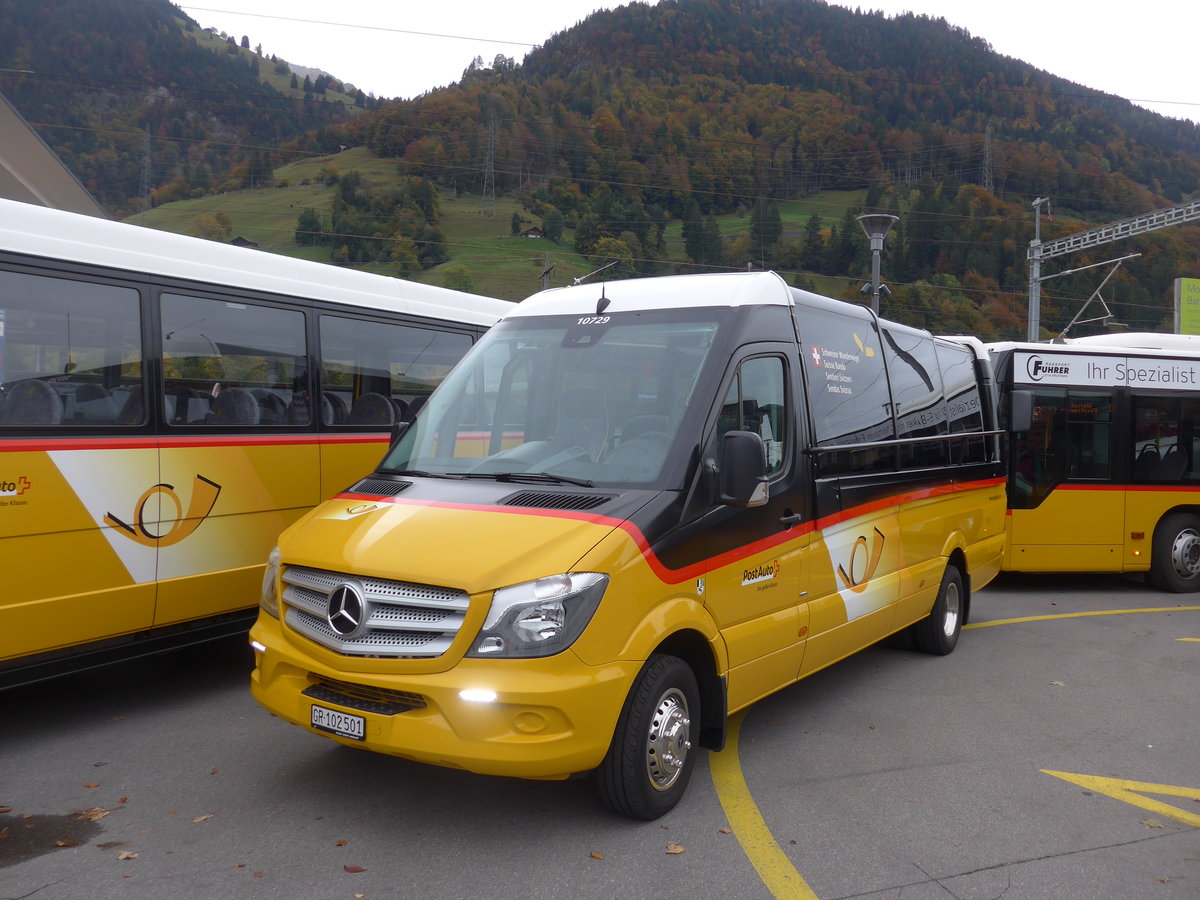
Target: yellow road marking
[
  {"x": 1077, "y": 615},
  {"x": 1191, "y": 640},
  {"x": 759, "y": 845},
  {"x": 776, "y": 870},
  {"x": 1119, "y": 789}
]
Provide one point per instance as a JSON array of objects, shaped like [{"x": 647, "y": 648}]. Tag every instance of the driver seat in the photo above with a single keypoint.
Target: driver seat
[{"x": 583, "y": 420}]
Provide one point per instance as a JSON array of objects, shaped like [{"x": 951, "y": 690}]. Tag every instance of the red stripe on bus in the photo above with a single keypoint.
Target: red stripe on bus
[
  {"x": 33, "y": 445},
  {"x": 697, "y": 569}
]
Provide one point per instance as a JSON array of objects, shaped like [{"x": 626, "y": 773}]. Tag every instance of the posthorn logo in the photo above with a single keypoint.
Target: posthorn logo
[{"x": 1039, "y": 369}]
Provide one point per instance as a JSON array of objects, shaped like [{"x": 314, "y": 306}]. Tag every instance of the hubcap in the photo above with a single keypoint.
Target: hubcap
[
  {"x": 668, "y": 740},
  {"x": 1185, "y": 553},
  {"x": 950, "y": 619}
]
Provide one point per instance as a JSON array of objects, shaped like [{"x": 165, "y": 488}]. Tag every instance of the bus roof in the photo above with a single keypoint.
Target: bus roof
[
  {"x": 70, "y": 237},
  {"x": 666, "y": 292},
  {"x": 1135, "y": 343}
]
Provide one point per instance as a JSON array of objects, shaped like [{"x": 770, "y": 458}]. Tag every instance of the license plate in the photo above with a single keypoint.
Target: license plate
[{"x": 339, "y": 723}]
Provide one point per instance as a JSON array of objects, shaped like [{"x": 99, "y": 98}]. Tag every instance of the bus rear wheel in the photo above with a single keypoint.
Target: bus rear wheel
[
  {"x": 938, "y": 632},
  {"x": 1175, "y": 554},
  {"x": 651, "y": 758}
]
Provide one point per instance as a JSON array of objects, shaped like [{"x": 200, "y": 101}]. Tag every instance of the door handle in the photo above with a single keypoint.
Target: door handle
[{"x": 790, "y": 519}]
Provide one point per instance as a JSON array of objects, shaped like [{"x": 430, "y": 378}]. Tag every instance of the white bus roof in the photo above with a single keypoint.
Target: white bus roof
[
  {"x": 57, "y": 235},
  {"x": 666, "y": 292},
  {"x": 1136, "y": 343}
]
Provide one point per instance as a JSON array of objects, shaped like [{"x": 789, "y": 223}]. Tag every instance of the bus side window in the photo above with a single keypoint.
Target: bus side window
[
  {"x": 756, "y": 402},
  {"x": 70, "y": 351},
  {"x": 230, "y": 363},
  {"x": 1163, "y": 439}
]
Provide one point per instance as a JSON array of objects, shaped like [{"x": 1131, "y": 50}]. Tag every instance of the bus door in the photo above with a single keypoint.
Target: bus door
[
  {"x": 1061, "y": 489},
  {"x": 757, "y": 598},
  {"x": 856, "y": 576},
  {"x": 76, "y": 458},
  {"x": 239, "y": 461}
]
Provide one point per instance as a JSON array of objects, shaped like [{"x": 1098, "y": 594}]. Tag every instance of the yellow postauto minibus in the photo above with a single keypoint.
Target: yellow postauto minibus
[
  {"x": 633, "y": 509},
  {"x": 168, "y": 405}
]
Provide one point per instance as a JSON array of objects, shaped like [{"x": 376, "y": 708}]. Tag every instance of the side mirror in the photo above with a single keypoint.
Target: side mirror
[
  {"x": 742, "y": 480},
  {"x": 1020, "y": 418}
]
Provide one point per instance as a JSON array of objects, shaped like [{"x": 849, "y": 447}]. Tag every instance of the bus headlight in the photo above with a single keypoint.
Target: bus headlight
[
  {"x": 539, "y": 618},
  {"x": 268, "y": 600}
]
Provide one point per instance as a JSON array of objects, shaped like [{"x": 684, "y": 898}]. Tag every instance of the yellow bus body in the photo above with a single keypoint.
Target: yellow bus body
[{"x": 555, "y": 716}]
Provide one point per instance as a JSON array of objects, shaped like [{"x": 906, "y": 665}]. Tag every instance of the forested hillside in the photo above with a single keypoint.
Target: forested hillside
[
  {"x": 145, "y": 106},
  {"x": 692, "y": 134}
]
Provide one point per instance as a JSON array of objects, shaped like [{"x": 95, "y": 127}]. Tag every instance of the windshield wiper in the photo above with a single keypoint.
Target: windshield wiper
[
  {"x": 532, "y": 477},
  {"x": 420, "y": 473}
]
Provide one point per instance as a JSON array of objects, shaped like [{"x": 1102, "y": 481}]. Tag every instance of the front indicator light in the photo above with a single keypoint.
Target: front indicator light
[{"x": 268, "y": 600}]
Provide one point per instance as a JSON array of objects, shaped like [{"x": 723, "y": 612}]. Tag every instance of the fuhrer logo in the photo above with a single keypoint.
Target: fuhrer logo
[
  {"x": 1039, "y": 368},
  {"x": 765, "y": 572},
  {"x": 10, "y": 488}
]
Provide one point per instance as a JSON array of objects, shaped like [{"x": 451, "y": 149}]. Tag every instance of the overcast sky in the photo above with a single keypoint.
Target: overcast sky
[{"x": 401, "y": 48}]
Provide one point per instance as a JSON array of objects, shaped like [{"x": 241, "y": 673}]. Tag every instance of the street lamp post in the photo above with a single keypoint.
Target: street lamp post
[{"x": 876, "y": 226}]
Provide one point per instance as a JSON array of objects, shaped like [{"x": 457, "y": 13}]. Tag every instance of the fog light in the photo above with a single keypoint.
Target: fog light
[
  {"x": 261, "y": 648},
  {"x": 477, "y": 695}
]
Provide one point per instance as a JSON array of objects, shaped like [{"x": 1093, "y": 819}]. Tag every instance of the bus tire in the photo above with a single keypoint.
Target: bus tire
[
  {"x": 1175, "y": 554},
  {"x": 654, "y": 747},
  {"x": 938, "y": 632}
]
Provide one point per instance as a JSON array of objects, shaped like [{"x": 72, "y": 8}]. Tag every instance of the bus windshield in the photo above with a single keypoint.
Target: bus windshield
[{"x": 597, "y": 399}]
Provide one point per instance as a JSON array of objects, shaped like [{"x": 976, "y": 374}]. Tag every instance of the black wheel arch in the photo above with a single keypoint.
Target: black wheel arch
[{"x": 693, "y": 648}]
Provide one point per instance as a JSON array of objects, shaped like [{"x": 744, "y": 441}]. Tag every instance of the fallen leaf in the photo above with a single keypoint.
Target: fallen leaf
[
  {"x": 214, "y": 771},
  {"x": 122, "y": 799},
  {"x": 143, "y": 831},
  {"x": 203, "y": 818},
  {"x": 5, "y": 809},
  {"x": 674, "y": 848},
  {"x": 258, "y": 874},
  {"x": 1152, "y": 823},
  {"x": 596, "y": 855},
  {"x": 66, "y": 843},
  {"x": 354, "y": 868},
  {"x": 27, "y": 816},
  {"x": 726, "y": 830},
  {"x": 91, "y": 814},
  {"x": 339, "y": 843},
  {"x": 1059, "y": 683},
  {"x": 359, "y": 896},
  {"x": 91, "y": 784},
  {"x": 127, "y": 854}
]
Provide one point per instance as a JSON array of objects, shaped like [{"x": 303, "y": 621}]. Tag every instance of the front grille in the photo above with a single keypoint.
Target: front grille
[
  {"x": 400, "y": 619},
  {"x": 380, "y": 701}
]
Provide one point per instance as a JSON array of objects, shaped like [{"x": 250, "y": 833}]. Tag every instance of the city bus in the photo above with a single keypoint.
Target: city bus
[
  {"x": 168, "y": 405},
  {"x": 634, "y": 509},
  {"x": 1107, "y": 479}
]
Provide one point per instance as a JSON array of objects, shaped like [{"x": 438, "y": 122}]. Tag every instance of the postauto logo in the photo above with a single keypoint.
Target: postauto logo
[{"x": 1040, "y": 369}]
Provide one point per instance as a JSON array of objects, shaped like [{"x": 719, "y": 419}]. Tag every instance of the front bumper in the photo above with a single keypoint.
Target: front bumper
[{"x": 552, "y": 717}]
